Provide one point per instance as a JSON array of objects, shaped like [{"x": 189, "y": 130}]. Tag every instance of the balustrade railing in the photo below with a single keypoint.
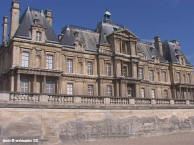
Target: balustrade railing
[{"x": 95, "y": 100}]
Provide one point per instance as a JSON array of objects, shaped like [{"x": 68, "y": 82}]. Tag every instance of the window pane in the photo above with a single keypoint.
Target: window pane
[
  {"x": 69, "y": 89},
  {"x": 143, "y": 93},
  {"x": 109, "y": 90},
  {"x": 141, "y": 73},
  {"x": 90, "y": 68},
  {"x": 108, "y": 69},
  {"x": 25, "y": 59},
  {"x": 38, "y": 36},
  {"x": 49, "y": 62},
  {"x": 50, "y": 86},
  {"x": 165, "y": 94},
  {"x": 153, "y": 93},
  {"x": 24, "y": 85},
  {"x": 90, "y": 90},
  {"x": 69, "y": 66}
]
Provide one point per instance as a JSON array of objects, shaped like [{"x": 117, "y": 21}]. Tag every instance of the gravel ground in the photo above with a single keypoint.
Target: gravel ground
[{"x": 186, "y": 138}]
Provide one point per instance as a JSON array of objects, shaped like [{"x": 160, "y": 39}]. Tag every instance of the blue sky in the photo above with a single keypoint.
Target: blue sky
[{"x": 170, "y": 19}]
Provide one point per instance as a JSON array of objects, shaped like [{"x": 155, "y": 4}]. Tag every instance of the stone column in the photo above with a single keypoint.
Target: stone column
[
  {"x": 44, "y": 84},
  {"x": 12, "y": 83},
  {"x": 59, "y": 81},
  {"x": 18, "y": 83},
  {"x": 35, "y": 84}
]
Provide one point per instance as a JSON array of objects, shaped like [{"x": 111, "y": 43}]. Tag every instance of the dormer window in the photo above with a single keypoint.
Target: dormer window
[
  {"x": 38, "y": 36},
  {"x": 36, "y": 21}
]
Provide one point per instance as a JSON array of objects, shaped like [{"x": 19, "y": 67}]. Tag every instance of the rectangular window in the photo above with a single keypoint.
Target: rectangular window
[
  {"x": 69, "y": 89},
  {"x": 24, "y": 85},
  {"x": 49, "y": 62},
  {"x": 178, "y": 77},
  {"x": 38, "y": 36},
  {"x": 189, "y": 78},
  {"x": 90, "y": 90},
  {"x": 153, "y": 93},
  {"x": 125, "y": 71},
  {"x": 108, "y": 69},
  {"x": 141, "y": 73},
  {"x": 166, "y": 94},
  {"x": 69, "y": 66},
  {"x": 25, "y": 59},
  {"x": 50, "y": 86},
  {"x": 151, "y": 75},
  {"x": 142, "y": 92},
  {"x": 90, "y": 68},
  {"x": 164, "y": 76},
  {"x": 109, "y": 90}
]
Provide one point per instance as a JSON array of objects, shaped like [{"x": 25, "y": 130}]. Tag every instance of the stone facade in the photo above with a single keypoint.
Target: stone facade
[{"x": 110, "y": 61}]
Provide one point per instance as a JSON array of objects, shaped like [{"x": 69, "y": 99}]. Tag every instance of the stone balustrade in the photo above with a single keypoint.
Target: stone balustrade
[{"x": 22, "y": 98}]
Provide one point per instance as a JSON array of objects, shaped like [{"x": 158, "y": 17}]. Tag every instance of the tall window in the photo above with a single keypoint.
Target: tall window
[
  {"x": 108, "y": 69},
  {"x": 90, "y": 68},
  {"x": 69, "y": 66},
  {"x": 153, "y": 93},
  {"x": 142, "y": 92},
  {"x": 141, "y": 73},
  {"x": 24, "y": 85},
  {"x": 69, "y": 89},
  {"x": 25, "y": 59},
  {"x": 124, "y": 70},
  {"x": 158, "y": 76},
  {"x": 164, "y": 76},
  {"x": 188, "y": 78},
  {"x": 38, "y": 36},
  {"x": 151, "y": 75},
  {"x": 49, "y": 62},
  {"x": 166, "y": 94},
  {"x": 90, "y": 90},
  {"x": 109, "y": 90},
  {"x": 50, "y": 86},
  {"x": 178, "y": 77},
  {"x": 124, "y": 47}
]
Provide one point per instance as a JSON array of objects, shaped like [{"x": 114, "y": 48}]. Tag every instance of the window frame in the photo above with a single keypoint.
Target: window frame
[
  {"x": 109, "y": 90},
  {"x": 141, "y": 73},
  {"x": 143, "y": 92},
  {"x": 151, "y": 75},
  {"x": 69, "y": 65},
  {"x": 49, "y": 62},
  {"x": 70, "y": 89},
  {"x": 24, "y": 86},
  {"x": 90, "y": 67},
  {"x": 25, "y": 62},
  {"x": 90, "y": 90},
  {"x": 38, "y": 36},
  {"x": 153, "y": 93},
  {"x": 108, "y": 69},
  {"x": 50, "y": 87}
]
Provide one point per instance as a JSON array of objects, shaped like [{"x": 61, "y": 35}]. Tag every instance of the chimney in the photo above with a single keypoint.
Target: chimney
[
  {"x": 48, "y": 15},
  {"x": 158, "y": 44},
  {"x": 15, "y": 14},
  {"x": 5, "y": 25}
]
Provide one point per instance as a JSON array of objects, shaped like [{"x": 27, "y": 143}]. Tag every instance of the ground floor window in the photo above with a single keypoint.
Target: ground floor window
[
  {"x": 24, "y": 85},
  {"x": 109, "y": 90},
  {"x": 153, "y": 93},
  {"x": 69, "y": 89},
  {"x": 90, "y": 90},
  {"x": 166, "y": 94},
  {"x": 142, "y": 92},
  {"x": 50, "y": 86}
]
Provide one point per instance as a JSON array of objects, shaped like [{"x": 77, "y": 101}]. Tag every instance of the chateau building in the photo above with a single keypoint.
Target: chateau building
[{"x": 108, "y": 61}]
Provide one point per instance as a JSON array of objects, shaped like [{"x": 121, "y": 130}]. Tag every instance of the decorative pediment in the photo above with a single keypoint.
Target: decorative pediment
[{"x": 126, "y": 33}]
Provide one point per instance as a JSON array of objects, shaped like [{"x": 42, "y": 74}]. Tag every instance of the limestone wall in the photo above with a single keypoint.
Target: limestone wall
[{"x": 61, "y": 126}]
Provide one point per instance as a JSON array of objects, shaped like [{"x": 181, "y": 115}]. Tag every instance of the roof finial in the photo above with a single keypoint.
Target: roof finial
[{"x": 107, "y": 15}]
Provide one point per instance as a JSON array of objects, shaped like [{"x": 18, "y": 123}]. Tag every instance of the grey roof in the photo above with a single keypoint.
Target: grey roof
[
  {"x": 26, "y": 22},
  {"x": 87, "y": 37},
  {"x": 173, "y": 51},
  {"x": 150, "y": 51}
]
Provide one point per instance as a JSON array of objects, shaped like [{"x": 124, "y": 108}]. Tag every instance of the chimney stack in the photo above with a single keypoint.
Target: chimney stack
[
  {"x": 48, "y": 15},
  {"x": 15, "y": 14},
  {"x": 5, "y": 25},
  {"x": 158, "y": 44}
]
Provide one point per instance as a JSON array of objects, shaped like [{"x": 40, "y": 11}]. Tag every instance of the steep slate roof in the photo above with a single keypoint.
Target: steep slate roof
[
  {"x": 27, "y": 20},
  {"x": 150, "y": 51},
  {"x": 172, "y": 50},
  {"x": 71, "y": 34}
]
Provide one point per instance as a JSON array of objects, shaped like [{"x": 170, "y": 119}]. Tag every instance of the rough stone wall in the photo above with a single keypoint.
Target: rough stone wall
[{"x": 57, "y": 126}]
